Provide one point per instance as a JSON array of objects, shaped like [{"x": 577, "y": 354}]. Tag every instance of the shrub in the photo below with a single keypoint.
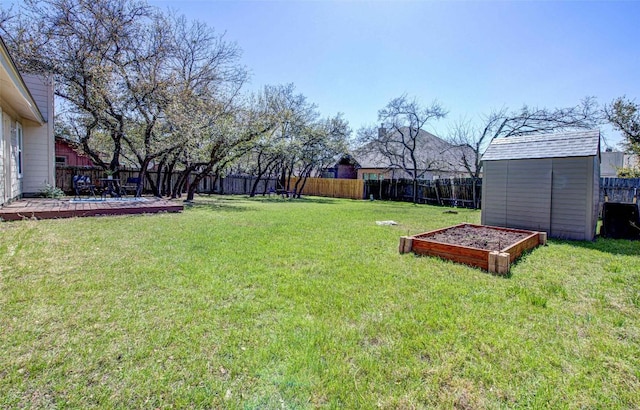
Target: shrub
[{"x": 50, "y": 191}]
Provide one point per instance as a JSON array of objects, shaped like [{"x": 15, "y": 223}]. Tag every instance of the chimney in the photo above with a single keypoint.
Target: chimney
[{"x": 381, "y": 131}]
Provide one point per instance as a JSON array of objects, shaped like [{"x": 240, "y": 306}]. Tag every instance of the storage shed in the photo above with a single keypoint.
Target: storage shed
[{"x": 543, "y": 182}]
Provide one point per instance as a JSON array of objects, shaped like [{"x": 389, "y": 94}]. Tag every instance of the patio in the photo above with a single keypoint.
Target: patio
[{"x": 43, "y": 208}]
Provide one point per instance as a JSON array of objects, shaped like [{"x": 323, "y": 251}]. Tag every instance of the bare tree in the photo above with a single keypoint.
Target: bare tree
[
  {"x": 319, "y": 145},
  {"x": 78, "y": 42},
  {"x": 402, "y": 136},
  {"x": 504, "y": 124},
  {"x": 124, "y": 70}
]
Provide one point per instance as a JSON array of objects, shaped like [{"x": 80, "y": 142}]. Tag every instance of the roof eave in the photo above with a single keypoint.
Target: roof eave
[{"x": 32, "y": 112}]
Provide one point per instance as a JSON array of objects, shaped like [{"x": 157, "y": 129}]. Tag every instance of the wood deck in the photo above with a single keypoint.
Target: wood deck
[{"x": 41, "y": 208}]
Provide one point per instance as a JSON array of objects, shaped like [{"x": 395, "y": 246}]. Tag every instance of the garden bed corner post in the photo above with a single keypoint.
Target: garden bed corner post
[
  {"x": 499, "y": 262},
  {"x": 406, "y": 243}
]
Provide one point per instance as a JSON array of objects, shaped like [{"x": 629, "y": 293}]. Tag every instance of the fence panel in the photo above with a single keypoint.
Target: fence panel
[
  {"x": 623, "y": 190},
  {"x": 445, "y": 191},
  {"x": 452, "y": 192},
  {"x": 333, "y": 187}
]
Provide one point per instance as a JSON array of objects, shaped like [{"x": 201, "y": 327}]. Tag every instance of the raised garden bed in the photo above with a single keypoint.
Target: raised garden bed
[{"x": 487, "y": 247}]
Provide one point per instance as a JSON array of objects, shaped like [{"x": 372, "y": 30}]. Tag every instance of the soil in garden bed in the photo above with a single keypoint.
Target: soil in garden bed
[{"x": 477, "y": 237}]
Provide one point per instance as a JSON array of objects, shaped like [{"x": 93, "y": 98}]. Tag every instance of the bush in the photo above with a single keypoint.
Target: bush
[
  {"x": 49, "y": 191},
  {"x": 628, "y": 172}
]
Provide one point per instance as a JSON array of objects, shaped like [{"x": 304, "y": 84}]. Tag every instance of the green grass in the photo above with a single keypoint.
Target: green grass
[{"x": 239, "y": 303}]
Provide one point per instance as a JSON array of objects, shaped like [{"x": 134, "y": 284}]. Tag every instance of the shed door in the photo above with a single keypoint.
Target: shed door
[
  {"x": 571, "y": 201},
  {"x": 529, "y": 194}
]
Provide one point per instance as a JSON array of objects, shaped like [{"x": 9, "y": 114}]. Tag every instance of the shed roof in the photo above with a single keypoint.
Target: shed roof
[{"x": 561, "y": 145}]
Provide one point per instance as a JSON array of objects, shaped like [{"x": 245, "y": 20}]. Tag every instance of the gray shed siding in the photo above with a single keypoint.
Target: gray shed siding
[
  {"x": 516, "y": 194},
  {"x": 570, "y": 208},
  {"x": 595, "y": 195},
  {"x": 555, "y": 195},
  {"x": 528, "y": 194},
  {"x": 494, "y": 195}
]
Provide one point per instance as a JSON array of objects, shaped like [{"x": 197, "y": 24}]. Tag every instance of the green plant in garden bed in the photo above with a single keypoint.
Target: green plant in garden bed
[{"x": 267, "y": 303}]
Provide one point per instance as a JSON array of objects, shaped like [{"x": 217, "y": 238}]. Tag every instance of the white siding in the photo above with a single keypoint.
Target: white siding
[
  {"x": 3, "y": 163},
  {"x": 529, "y": 194},
  {"x": 39, "y": 163},
  {"x": 16, "y": 181},
  {"x": 40, "y": 89},
  {"x": 494, "y": 193},
  {"x": 11, "y": 185}
]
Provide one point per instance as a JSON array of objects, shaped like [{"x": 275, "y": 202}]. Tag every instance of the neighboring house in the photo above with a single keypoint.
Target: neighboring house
[
  {"x": 345, "y": 168},
  {"x": 436, "y": 159},
  {"x": 543, "y": 182},
  {"x": 26, "y": 131},
  {"x": 611, "y": 161},
  {"x": 68, "y": 153},
  {"x": 631, "y": 161}
]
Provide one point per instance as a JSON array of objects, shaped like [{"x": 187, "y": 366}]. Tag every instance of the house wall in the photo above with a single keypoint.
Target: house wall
[
  {"x": 557, "y": 196},
  {"x": 15, "y": 179},
  {"x": 401, "y": 174},
  {"x": 39, "y": 159},
  {"x": 3, "y": 163},
  {"x": 346, "y": 171},
  {"x": 366, "y": 173},
  {"x": 71, "y": 157},
  {"x": 610, "y": 162},
  {"x": 10, "y": 183}
]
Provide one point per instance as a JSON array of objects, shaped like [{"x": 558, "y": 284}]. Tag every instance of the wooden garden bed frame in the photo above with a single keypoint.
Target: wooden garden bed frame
[{"x": 493, "y": 261}]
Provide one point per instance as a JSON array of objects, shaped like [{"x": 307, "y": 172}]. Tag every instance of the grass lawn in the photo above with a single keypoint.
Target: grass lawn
[{"x": 269, "y": 303}]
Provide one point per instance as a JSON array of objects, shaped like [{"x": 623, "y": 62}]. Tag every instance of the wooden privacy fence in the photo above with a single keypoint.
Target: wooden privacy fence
[
  {"x": 234, "y": 184},
  {"x": 64, "y": 175},
  {"x": 333, "y": 187},
  {"x": 445, "y": 191},
  {"x": 622, "y": 190},
  {"x": 240, "y": 185}
]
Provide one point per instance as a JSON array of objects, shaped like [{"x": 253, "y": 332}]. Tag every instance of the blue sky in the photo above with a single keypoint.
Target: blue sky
[{"x": 354, "y": 56}]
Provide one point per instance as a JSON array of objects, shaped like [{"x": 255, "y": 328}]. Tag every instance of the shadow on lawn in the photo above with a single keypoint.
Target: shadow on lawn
[
  {"x": 217, "y": 205},
  {"x": 613, "y": 246},
  {"x": 303, "y": 199},
  {"x": 242, "y": 203}
]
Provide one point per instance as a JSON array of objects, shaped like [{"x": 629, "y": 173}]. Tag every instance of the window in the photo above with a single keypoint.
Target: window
[
  {"x": 61, "y": 161},
  {"x": 19, "y": 146},
  {"x": 372, "y": 176}
]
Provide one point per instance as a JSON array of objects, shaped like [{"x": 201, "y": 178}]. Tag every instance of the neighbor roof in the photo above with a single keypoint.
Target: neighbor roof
[
  {"x": 446, "y": 156},
  {"x": 568, "y": 144}
]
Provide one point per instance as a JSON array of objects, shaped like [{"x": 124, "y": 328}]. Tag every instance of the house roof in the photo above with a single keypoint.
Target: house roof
[
  {"x": 560, "y": 145},
  {"x": 13, "y": 90},
  {"x": 445, "y": 156}
]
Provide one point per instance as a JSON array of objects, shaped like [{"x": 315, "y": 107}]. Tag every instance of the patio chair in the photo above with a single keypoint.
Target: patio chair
[
  {"x": 132, "y": 184},
  {"x": 82, "y": 183}
]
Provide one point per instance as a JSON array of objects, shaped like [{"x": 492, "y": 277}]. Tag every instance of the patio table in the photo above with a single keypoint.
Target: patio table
[{"x": 110, "y": 186}]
